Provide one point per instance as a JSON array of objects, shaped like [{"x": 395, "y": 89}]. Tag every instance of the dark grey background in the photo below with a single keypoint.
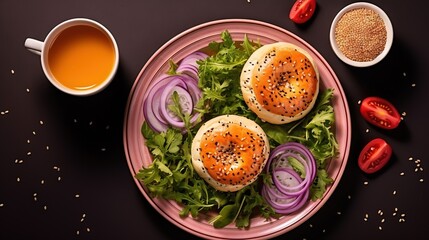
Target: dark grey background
[{"x": 94, "y": 193}]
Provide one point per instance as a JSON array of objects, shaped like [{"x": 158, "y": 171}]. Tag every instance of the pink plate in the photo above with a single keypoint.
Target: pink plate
[{"x": 195, "y": 39}]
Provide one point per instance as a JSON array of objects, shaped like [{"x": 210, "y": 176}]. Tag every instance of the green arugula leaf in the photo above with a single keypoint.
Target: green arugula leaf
[
  {"x": 161, "y": 166},
  {"x": 173, "y": 67},
  {"x": 226, "y": 216},
  {"x": 219, "y": 77},
  {"x": 297, "y": 166},
  {"x": 318, "y": 187}
]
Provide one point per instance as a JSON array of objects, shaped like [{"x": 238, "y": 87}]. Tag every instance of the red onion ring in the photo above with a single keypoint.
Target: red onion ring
[
  {"x": 156, "y": 104},
  {"x": 189, "y": 65},
  {"x": 289, "y": 191}
]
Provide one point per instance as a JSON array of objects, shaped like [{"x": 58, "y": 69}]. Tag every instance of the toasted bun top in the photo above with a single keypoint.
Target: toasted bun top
[
  {"x": 229, "y": 152},
  {"x": 280, "y": 82}
]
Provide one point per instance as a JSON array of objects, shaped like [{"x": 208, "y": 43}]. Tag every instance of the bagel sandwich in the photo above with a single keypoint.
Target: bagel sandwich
[
  {"x": 229, "y": 152},
  {"x": 280, "y": 82}
]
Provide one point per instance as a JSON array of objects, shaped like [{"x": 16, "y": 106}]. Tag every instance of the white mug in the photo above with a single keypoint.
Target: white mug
[{"x": 78, "y": 56}]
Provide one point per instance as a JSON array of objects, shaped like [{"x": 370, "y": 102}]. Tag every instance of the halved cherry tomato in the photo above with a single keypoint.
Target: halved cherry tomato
[
  {"x": 374, "y": 156},
  {"x": 302, "y": 10},
  {"x": 380, "y": 112}
]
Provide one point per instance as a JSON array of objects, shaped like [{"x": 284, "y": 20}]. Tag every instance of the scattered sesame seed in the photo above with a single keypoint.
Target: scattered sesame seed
[
  {"x": 28, "y": 153},
  {"x": 90, "y": 123},
  {"x": 410, "y": 159},
  {"x": 77, "y": 196},
  {"x": 103, "y": 149},
  {"x": 402, "y": 174},
  {"x": 380, "y": 228},
  {"x": 77, "y": 232},
  {"x": 45, "y": 207},
  {"x": 394, "y": 192},
  {"x": 12, "y": 71},
  {"x": 404, "y": 74},
  {"x": 19, "y": 161},
  {"x": 1, "y": 204},
  {"x": 421, "y": 180},
  {"x": 339, "y": 213},
  {"x": 365, "y": 183},
  {"x": 413, "y": 85},
  {"x": 47, "y": 147},
  {"x": 41, "y": 122},
  {"x": 88, "y": 230},
  {"x": 367, "y": 130},
  {"x": 18, "y": 179},
  {"x": 349, "y": 197},
  {"x": 394, "y": 214},
  {"x": 42, "y": 181},
  {"x": 28, "y": 90},
  {"x": 34, "y": 132},
  {"x": 360, "y": 101},
  {"x": 59, "y": 179},
  {"x": 28, "y": 141}
]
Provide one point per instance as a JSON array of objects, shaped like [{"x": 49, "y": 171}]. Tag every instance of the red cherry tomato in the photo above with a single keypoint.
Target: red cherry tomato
[
  {"x": 380, "y": 112},
  {"x": 374, "y": 156},
  {"x": 302, "y": 10}
]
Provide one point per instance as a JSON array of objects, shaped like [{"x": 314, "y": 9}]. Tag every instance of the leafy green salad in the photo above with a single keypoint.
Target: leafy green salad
[{"x": 171, "y": 175}]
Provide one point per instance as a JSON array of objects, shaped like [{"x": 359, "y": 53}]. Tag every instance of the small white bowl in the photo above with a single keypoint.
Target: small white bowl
[{"x": 387, "y": 24}]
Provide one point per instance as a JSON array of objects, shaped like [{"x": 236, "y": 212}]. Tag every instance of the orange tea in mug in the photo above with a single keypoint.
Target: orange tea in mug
[{"x": 81, "y": 57}]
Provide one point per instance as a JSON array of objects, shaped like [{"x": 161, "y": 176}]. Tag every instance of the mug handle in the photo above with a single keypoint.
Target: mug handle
[{"x": 34, "y": 46}]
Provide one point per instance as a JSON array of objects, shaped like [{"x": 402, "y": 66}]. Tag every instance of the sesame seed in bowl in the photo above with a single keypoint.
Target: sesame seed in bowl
[{"x": 361, "y": 34}]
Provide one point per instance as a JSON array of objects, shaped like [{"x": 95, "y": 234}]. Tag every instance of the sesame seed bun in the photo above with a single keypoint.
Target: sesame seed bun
[
  {"x": 280, "y": 82},
  {"x": 229, "y": 152}
]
